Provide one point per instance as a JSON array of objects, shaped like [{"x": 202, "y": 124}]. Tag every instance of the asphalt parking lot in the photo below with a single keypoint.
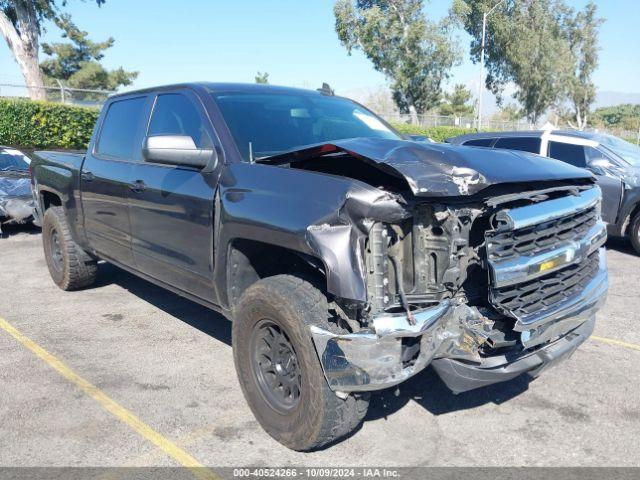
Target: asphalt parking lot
[{"x": 167, "y": 362}]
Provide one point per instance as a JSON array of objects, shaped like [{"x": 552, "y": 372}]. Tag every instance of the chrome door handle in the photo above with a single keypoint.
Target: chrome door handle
[{"x": 87, "y": 176}]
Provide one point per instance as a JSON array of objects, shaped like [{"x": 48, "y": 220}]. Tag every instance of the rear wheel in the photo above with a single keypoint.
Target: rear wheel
[
  {"x": 278, "y": 368},
  {"x": 634, "y": 232},
  {"x": 70, "y": 267}
]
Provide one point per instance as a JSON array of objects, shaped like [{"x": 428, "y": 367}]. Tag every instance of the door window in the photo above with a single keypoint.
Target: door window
[
  {"x": 569, "y": 153},
  {"x": 595, "y": 154},
  {"x": 120, "y": 128},
  {"x": 524, "y": 144},
  {"x": 175, "y": 114}
]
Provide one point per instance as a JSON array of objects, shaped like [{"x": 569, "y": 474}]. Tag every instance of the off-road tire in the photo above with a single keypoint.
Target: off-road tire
[
  {"x": 634, "y": 232},
  {"x": 320, "y": 417},
  {"x": 76, "y": 269}
]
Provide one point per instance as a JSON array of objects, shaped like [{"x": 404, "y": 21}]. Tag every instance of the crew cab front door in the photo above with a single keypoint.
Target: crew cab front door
[{"x": 171, "y": 210}]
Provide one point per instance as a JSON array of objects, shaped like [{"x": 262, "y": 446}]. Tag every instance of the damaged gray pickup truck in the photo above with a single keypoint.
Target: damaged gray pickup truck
[{"x": 347, "y": 257}]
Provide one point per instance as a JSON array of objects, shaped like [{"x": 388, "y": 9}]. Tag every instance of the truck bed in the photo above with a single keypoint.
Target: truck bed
[{"x": 66, "y": 159}]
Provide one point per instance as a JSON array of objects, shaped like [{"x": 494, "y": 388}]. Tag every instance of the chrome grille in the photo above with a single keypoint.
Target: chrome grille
[
  {"x": 542, "y": 255},
  {"x": 543, "y": 293},
  {"x": 543, "y": 236}
]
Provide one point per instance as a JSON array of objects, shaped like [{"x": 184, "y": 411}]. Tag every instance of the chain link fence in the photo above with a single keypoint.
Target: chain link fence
[
  {"x": 432, "y": 120},
  {"x": 488, "y": 124},
  {"x": 61, "y": 94},
  {"x": 632, "y": 136}
]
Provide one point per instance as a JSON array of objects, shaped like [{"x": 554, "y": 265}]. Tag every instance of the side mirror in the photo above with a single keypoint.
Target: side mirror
[
  {"x": 176, "y": 150},
  {"x": 600, "y": 166}
]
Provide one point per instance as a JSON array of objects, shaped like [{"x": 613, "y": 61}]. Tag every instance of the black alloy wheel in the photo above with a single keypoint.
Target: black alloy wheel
[
  {"x": 275, "y": 366},
  {"x": 57, "y": 259}
]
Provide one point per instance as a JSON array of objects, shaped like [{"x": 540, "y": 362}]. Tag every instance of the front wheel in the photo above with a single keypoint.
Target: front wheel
[
  {"x": 634, "y": 232},
  {"x": 278, "y": 368}
]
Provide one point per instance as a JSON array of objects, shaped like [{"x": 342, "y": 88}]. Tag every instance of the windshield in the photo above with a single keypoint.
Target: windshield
[
  {"x": 268, "y": 124},
  {"x": 627, "y": 151},
  {"x": 12, "y": 160}
]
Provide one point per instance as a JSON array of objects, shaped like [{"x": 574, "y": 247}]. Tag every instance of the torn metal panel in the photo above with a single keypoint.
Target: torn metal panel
[
  {"x": 466, "y": 179},
  {"x": 439, "y": 170},
  {"x": 340, "y": 248},
  {"x": 372, "y": 360},
  {"x": 462, "y": 377},
  {"x": 323, "y": 216},
  {"x": 340, "y": 241}
]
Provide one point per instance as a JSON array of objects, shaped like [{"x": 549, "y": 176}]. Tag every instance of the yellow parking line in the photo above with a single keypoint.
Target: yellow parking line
[
  {"x": 121, "y": 413},
  {"x": 620, "y": 343}
]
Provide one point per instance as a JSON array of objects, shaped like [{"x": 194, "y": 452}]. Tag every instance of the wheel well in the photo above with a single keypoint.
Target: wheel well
[
  {"x": 50, "y": 200},
  {"x": 250, "y": 261},
  {"x": 629, "y": 219}
]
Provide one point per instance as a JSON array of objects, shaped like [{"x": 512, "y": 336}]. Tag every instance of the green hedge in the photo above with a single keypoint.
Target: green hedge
[
  {"x": 439, "y": 134},
  {"x": 29, "y": 124}
]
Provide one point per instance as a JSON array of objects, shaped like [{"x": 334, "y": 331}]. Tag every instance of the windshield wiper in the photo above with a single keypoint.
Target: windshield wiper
[
  {"x": 274, "y": 153},
  {"x": 262, "y": 155}
]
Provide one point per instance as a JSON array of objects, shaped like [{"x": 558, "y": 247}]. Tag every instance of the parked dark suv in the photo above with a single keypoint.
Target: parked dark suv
[{"x": 614, "y": 162}]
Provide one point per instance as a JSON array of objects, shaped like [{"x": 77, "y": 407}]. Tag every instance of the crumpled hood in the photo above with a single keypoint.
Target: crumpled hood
[{"x": 442, "y": 170}]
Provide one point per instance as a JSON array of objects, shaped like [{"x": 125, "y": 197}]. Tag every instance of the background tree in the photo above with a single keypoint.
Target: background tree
[
  {"x": 508, "y": 113},
  {"x": 582, "y": 35},
  {"x": 21, "y": 24},
  {"x": 415, "y": 54},
  {"x": 77, "y": 63},
  {"x": 526, "y": 44},
  {"x": 625, "y": 116},
  {"x": 262, "y": 77},
  {"x": 380, "y": 101},
  {"x": 457, "y": 102}
]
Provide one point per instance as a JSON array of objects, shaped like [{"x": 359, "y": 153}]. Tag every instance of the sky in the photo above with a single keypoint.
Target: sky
[{"x": 293, "y": 40}]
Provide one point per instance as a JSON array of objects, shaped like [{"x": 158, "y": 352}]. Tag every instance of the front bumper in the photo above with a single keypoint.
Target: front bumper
[
  {"x": 461, "y": 376},
  {"x": 449, "y": 335}
]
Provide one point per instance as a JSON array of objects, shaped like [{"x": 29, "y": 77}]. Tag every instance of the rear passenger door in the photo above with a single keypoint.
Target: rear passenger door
[
  {"x": 105, "y": 177},
  {"x": 578, "y": 156},
  {"x": 172, "y": 208}
]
